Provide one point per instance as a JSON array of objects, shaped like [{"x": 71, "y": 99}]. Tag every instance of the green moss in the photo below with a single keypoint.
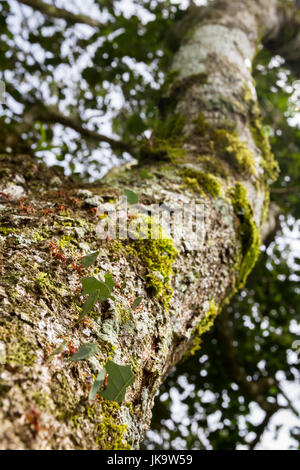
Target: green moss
[
  {"x": 37, "y": 236},
  {"x": 209, "y": 183},
  {"x": 166, "y": 142},
  {"x": 171, "y": 129},
  {"x": 158, "y": 257},
  {"x": 193, "y": 184},
  {"x": 160, "y": 151},
  {"x": 19, "y": 350},
  {"x": 214, "y": 165},
  {"x": 111, "y": 435},
  {"x": 67, "y": 242},
  {"x": 264, "y": 213},
  {"x": 7, "y": 230},
  {"x": 43, "y": 280},
  {"x": 230, "y": 147},
  {"x": 205, "y": 325},
  {"x": 201, "y": 127},
  {"x": 248, "y": 232}
]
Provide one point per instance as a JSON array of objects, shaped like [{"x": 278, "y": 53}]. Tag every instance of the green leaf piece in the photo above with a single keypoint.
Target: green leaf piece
[
  {"x": 98, "y": 382},
  {"x": 58, "y": 350},
  {"x": 119, "y": 378},
  {"x": 90, "y": 285},
  {"x": 137, "y": 301},
  {"x": 88, "y": 260},
  {"x": 109, "y": 282},
  {"x": 86, "y": 350},
  {"x": 132, "y": 197},
  {"x": 88, "y": 305}
]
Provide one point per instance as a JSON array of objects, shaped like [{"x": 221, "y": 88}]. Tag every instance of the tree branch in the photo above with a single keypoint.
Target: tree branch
[
  {"x": 52, "y": 115},
  {"x": 60, "y": 13},
  {"x": 37, "y": 111}
]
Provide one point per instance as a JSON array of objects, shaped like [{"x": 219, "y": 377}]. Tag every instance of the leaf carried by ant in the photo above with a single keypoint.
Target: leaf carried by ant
[
  {"x": 137, "y": 301},
  {"x": 88, "y": 260},
  {"x": 86, "y": 350},
  {"x": 90, "y": 285},
  {"x": 58, "y": 350},
  {"x": 119, "y": 378},
  {"x": 109, "y": 282},
  {"x": 98, "y": 382}
]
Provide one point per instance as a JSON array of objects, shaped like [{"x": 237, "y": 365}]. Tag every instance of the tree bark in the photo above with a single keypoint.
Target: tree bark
[{"x": 211, "y": 152}]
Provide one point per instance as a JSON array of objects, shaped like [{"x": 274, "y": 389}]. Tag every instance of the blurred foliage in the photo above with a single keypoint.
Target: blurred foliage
[{"x": 107, "y": 77}]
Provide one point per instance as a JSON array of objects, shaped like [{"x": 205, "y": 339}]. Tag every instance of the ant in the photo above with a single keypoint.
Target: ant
[
  {"x": 61, "y": 193},
  {"x": 27, "y": 209},
  {"x": 33, "y": 417},
  {"x": 105, "y": 381},
  {"x": 131, "y": 216},
  {"x": 77, "y": 267},
  {"x": 71, "y": 348},
  {"x": 94, "y": 210},
  {"x": 48, "y": 211},
  {"x": 61, "y": 207},
  {"x": 75, "y": 201},
  {"x": 6, "y": 196}
]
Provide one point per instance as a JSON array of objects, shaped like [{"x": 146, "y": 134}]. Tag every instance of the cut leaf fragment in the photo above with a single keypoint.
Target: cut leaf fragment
[
  {"x": 58, "y": 350},
  {"x": 119, "y": 378},
  {"x": 132, "y": 197},
  {"x": 137, "y": 301},
  {"x": 86, "y": 350},
  {"x": 97, "y": 384},
  {"x": 88, "y": 260}
]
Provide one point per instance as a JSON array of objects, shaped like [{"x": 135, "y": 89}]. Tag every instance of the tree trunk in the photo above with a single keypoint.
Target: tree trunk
[{"x": 209, "y": 150}]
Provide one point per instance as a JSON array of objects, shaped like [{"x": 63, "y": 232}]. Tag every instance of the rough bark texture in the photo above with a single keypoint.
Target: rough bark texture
[{"x": 212, "y": 152}]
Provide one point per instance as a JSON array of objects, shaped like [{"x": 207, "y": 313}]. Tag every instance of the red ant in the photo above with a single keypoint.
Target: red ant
[
  {"x": 27, "y": 209},
  {"x": 61, "y": 208},
  {"x": 33, "y": 417},
  {"x": 56, "y": 253},
  {"x": 6, "y": 196},
  {"x": 48, "y": 211}
]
